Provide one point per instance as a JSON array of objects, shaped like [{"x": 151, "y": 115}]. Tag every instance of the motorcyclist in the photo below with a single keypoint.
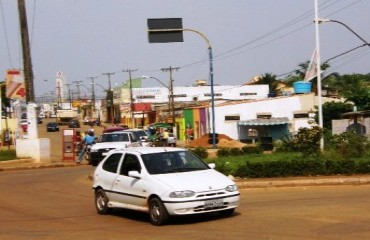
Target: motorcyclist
[{"x": 89, "y": 139}]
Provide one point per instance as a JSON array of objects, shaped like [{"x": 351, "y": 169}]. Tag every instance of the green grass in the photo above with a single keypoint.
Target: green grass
[{"x": 7, "y": 155}]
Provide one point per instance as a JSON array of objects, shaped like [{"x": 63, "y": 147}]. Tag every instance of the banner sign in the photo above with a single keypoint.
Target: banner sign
[{"x": 15, "y": 84}]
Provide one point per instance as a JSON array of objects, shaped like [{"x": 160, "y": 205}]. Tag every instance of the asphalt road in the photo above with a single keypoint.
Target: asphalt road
[{"x": 57, "y": 203}]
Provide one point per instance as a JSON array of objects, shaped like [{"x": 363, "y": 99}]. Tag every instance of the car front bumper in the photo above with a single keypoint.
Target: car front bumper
[{"x": 179, "y": 207}]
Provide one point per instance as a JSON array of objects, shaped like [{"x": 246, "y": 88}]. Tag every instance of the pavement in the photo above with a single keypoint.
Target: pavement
[{"x": 29, "y": 164}]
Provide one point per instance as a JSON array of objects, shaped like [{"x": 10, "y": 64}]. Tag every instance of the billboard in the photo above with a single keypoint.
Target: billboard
[{"x": 15, "y": 84}]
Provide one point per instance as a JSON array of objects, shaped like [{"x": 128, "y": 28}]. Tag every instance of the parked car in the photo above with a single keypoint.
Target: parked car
[
  {"x": 52, "y": 127},
  {"x": 141, "y": 135},
  {"x": 171, "y": 140},
  {"x": 113, "y": 129},
  {"x": 110, "y": 141},
  {"x": 74, "y": 123},
  {"x": 176, "y": 182}
]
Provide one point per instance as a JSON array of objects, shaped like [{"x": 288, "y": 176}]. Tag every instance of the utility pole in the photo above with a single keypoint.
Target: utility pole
[
  {"x": 69, "y": 95},
  {"x": 77, "y": 83},
  {"x": 171, "y": 100},
  {"x": 131, "y": 96},
  {"x": 26, "y": 52},
  {"x": 93, "y": 94},
  {"x": 110, "y": 108}
]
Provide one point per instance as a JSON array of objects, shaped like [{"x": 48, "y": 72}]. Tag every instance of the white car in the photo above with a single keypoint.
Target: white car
[{"x": 163, "y": 182}]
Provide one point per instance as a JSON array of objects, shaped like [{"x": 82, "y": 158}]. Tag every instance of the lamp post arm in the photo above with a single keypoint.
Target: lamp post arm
[{"x": 346, "y": 26}]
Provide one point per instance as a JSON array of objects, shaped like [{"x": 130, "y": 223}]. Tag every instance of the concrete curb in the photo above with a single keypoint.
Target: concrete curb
[{"x": 28, "y": 164}]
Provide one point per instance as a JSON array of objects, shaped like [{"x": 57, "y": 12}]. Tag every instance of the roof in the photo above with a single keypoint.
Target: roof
[
  {"x": 264, "y": 121},
  {"x": 146, "y": 150}
]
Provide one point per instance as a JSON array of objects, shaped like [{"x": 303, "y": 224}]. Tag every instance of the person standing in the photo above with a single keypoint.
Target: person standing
[{"x": 165, "y": 137}]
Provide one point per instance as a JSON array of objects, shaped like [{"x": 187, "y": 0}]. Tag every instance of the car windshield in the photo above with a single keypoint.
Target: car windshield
[
  {"x": 115, "y": 137},
  {"x": 170, "y": 162}
]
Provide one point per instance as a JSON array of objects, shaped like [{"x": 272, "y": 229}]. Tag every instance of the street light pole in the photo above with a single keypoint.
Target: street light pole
[
  {"x": 321, "y": 20},
  {"x": 318, "y": 74},
  {"x": 210, "y": 75}
]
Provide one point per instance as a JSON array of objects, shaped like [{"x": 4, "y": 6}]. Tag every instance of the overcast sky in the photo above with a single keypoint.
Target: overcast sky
[{"x": 85, "y": 38}]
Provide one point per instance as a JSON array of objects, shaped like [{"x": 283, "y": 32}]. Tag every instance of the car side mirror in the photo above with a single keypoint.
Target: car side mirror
[
  {"x": 134, "y": 174},
  {"x": 212, "y": 165}
]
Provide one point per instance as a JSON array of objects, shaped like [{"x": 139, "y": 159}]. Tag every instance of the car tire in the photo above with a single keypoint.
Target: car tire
[
  {"x": 101, "y": 202},
  {"x": 157, "y": 212}
]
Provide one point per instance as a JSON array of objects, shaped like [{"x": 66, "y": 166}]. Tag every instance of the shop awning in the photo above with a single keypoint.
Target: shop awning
[
  {"x": 161, "y": 125},
  {"x": 264, "y": 122}
]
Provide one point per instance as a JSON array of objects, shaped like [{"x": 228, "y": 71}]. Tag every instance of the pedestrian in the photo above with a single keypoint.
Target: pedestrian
[
  {"x": 189, "y": 134},
  {"x": 165, "y": 136},
  {"x": 89, "y": 139}
]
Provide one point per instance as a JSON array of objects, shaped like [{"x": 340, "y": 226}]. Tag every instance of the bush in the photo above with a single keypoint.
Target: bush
[
  {"x": 223, "y": 152},
  {"x": 251, "y": 150},
  {"x": 235, "y": 152},
  {"x": 200, "y": 152}
]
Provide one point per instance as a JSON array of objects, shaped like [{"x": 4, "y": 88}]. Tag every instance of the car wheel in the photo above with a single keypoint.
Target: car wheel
[
  {"x": 227, "y": 212},
  {"x": 157, "y": 212},
  {"x": 101, "y": 202}
]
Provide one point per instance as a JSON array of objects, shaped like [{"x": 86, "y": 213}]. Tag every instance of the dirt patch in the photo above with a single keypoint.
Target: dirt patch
[{"x": 223, "y": 142}]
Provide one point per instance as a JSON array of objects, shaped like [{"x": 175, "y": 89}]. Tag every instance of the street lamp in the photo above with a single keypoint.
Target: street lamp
[
  {"x": 170, "y": 96},
  {"x": 323, "y": 20}
]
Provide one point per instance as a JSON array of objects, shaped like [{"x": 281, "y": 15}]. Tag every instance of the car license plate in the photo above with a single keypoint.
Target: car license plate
[{"x": 214, "y": 203}]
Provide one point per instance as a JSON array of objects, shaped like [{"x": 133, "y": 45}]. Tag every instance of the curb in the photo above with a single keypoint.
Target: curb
[{"x": 28, "y": 164}]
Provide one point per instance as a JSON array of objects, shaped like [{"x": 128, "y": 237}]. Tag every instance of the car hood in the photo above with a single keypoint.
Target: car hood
[
  {"x": 110, "y": 145},
  {"x": 204, "y": 180}
]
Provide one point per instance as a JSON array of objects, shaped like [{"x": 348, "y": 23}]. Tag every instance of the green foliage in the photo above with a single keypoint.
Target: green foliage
[
  {"x": 7, "y": 155},
  {"x": 350, "y": 144},
  {"x": 332, "y": 110},
  {"x": 200, "y": 152},
  {"x": 252, "y": 150},
  {"x": 307, "y": 141},
  {"x": 235, "y": 151},
  {"x": 223, "y": 152}
]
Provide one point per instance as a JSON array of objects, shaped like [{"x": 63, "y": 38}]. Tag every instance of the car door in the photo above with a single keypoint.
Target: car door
[
  {"x": 131, "y": 189},
  {"x": 107, "y": 177}
]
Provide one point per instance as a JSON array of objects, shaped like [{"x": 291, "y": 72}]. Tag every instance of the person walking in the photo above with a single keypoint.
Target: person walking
[{"x": 165, "y": 136}]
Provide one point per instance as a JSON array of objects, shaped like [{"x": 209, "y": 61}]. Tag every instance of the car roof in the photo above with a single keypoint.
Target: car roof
[{"x": 146, "y": 150}]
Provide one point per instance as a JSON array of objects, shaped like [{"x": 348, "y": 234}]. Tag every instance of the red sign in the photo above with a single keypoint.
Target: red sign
[
  {"x": 15, "y": 84},
  {"x": 141, "y": 107}
]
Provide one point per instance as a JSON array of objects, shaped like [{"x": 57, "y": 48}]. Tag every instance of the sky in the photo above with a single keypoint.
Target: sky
[{"x": 86, "y": 38}]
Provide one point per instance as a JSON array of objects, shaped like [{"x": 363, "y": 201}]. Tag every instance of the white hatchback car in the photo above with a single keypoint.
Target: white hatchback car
[{"x": 163, "y": 182}]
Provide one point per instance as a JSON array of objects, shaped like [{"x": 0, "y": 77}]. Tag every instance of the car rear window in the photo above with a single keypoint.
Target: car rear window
[{"x": 115, "y": 137}]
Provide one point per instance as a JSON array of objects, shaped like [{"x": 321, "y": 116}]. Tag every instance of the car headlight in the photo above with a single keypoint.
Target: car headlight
[
  {"x": 182, "y": 194},
  {"x": 231, "y": 188},
  {"x": 93, "y": 150}
]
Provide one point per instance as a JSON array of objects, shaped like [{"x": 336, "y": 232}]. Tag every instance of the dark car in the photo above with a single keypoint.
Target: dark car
[
  {"x": 74, "y": 123},
  {"x": 52, "y": 127}
]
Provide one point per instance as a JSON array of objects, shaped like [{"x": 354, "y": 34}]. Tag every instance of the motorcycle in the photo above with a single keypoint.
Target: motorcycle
[{"x": 87, "y": 149}]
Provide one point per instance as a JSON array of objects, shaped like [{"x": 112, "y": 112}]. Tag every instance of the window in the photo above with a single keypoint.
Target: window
[
  {"x": 130, "y": 163},
  {"x": 178, "y": 95},
  {"x": 215, "y": 94},
  {"x": 111, "y": 164},
  {"x": 145, "y": 96},
  {"x": 232, "y": 117},
  {"x": 301, "y": 115},
  {"x": 264, "y": 116},
  {"x": 247, "y": 94}
]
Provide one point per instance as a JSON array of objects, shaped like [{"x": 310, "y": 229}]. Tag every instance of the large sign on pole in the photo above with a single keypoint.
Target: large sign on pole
[
  {"x": 164, "y": 30},
  {"x": 15, "y": 84}
]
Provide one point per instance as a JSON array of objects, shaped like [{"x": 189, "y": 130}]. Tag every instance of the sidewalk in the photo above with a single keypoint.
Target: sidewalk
[{"x": 27, "y": 164}]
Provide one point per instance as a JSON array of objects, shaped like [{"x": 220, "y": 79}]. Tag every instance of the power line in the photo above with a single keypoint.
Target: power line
[{"x": 6, "y": 35}]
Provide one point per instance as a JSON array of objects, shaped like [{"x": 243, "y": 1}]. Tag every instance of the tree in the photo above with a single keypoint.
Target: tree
[
  {"x": 271, "y": 80},
  {"x": 355, "y": 88},
  {"x": 333, "y": 110}
]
